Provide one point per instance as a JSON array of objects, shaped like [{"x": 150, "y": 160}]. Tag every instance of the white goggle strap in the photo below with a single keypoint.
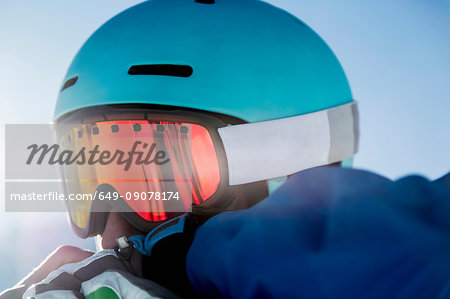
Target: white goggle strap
[{"x": 276, "y": 148}]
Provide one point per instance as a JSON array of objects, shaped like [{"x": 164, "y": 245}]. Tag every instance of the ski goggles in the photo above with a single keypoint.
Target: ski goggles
[{"x": 158, "y": 164}]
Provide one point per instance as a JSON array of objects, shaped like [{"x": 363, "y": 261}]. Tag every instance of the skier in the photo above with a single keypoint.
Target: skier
[{"x": 256, "y": 117}]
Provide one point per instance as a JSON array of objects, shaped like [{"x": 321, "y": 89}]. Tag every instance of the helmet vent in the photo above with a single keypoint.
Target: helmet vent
[
  {"x": 174, "y": 70},
  {"x": 205, "y": 1},
  {"x": 69, "y": 82}
]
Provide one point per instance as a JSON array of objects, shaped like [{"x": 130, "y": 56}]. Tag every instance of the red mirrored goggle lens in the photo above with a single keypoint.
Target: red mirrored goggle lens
[{"x": 174, "y": 165}]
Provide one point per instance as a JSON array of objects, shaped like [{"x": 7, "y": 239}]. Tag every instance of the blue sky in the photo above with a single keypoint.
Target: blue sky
[{"x": 396, "y": 55}]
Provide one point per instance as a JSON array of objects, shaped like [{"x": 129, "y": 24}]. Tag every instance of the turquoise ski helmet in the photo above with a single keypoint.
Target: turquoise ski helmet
[
  {"x": 248, "y": 59},
  {"x": 241, "y": 58}
]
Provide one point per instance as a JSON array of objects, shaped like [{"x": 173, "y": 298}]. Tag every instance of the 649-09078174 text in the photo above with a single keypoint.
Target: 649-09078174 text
[{"x": 97, "y": 195}]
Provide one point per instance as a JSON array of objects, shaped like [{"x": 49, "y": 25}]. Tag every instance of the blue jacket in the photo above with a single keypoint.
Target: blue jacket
[{"x": 330, "y": 232}]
